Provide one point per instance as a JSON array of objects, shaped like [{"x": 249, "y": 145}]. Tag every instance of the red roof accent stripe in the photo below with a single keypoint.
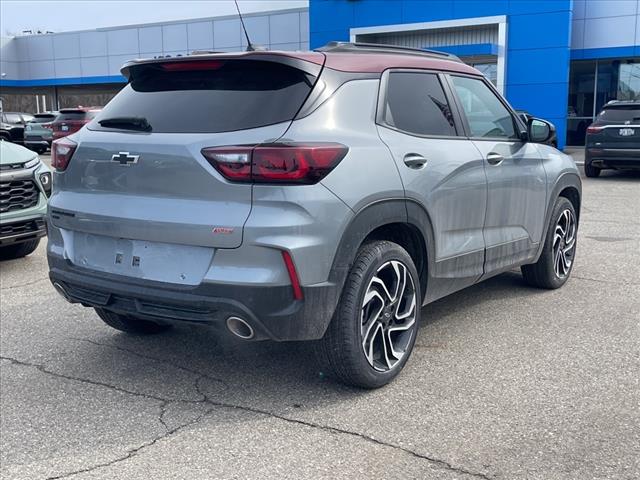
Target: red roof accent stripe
[{"x": 378, "y": 62}]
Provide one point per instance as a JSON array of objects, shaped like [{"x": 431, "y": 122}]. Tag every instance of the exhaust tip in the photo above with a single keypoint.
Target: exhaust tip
[
  {"x": 60, "y": 289},
  {"x": 240, "y": 328}
]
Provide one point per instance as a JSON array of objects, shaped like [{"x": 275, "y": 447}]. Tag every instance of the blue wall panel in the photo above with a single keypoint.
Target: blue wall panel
[
  {"x": 519, "y": 7},
  {"x": 421, "y": 11},
  {"x": 368, "y": 12},
  {"x": 530, "y": 67},
  {"x": 473, "y": 8},
  {"x": 525, "y": 33},
  {"x": 538, "y": 43}
]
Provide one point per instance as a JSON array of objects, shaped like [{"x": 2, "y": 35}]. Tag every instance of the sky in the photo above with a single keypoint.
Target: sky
[{"x": 69, "y": 15}]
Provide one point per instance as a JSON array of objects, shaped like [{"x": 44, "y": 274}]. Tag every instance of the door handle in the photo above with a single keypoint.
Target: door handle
[
  {"x": 494, "y": 158},
  {"x": 414, "y": 161}
]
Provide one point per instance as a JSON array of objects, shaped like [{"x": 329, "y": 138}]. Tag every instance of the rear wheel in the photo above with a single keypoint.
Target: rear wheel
[
  {"x": 376, "y": 322},
  {"x": 554, "y": 266},
  {"x": 19, "y": 250},
  {"x": 130, "y": 324},
  {"x": 591, "y": 171}
]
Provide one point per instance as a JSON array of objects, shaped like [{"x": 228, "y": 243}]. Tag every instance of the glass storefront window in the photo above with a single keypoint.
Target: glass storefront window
[
  {"x": 489, "y": 70},
  {"x": 582, "y": 89},
  {"x": 629, "y": 81},
  {"x": 607, "y": 82},
  {"x": 594, "y": 83}
]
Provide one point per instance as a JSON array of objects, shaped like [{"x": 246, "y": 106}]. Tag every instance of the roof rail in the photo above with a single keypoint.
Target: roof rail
[{"x": 358, "y": 47}]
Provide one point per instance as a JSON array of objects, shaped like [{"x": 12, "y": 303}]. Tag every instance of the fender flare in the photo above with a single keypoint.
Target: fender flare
[
  {"x": 375, "y": 215},
  {"x": 565, "y": 180}
]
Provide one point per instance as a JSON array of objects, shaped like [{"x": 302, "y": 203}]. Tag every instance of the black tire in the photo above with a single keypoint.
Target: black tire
[
  {"x": 542, "y": 274},
  {"x": 18, "y": 250},
  {"x": 130, "y": 324},
  {"x": 340, "y": 352},
  {"x": 591, "y": 171}
]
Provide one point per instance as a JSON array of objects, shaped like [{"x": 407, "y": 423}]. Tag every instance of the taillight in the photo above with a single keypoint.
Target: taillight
[
  {"x": 593, "y": 130},
  {"x": 48, "y": 126},
  {"x": 61, "y": 153},
  {"x": 291, "y": 163},
  {"x": 234, "y": 163},
  {"x": 186, "y": 66}
]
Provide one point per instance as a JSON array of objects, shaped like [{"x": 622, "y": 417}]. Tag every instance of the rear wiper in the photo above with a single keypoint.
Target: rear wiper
[{"x": 127, "y": 123}]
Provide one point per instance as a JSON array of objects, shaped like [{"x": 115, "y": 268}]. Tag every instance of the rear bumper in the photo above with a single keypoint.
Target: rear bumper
[
  {"x": 270, "y": 310},
  {"x": 31, "y": 142},
  {"x": 613, "y": 157}
]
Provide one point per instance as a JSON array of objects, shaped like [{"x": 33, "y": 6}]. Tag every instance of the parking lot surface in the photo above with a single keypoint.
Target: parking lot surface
[{"x": 506, "y": 382}]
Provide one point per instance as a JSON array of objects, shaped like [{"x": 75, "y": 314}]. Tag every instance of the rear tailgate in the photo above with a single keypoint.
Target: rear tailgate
[
  {"x": 617, "y": 127},
  {"x": 170, "y": 194},
  {"x": 155, "y": 187}
]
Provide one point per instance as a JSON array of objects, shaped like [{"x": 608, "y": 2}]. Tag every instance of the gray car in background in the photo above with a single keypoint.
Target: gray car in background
[
  {"x": 38, "y": 133},
  {"x": 322, "y": 196}
]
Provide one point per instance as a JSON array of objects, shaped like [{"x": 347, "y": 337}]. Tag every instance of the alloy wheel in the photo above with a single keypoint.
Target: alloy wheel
[
  {"x": 388, "y": 316},
  {"x": 564, "y": 243}
]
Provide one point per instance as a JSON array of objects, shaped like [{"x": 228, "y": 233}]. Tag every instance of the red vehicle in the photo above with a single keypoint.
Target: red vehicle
[{"x": 71, "y": 120}]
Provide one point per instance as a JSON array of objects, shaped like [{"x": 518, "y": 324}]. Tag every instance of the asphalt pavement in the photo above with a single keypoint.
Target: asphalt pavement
[{"x": 506, "y": 382}]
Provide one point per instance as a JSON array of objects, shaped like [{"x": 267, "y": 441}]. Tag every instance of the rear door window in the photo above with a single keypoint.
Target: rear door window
[
  {"x": 486, "y": 114},
  {"x": 13, "y": 118},
  {"x": 43, "y": 118},
  {"x": 416, "y": 103},
  {"x": 66, "y": 116},
  {"x": 210, "y": 96}
]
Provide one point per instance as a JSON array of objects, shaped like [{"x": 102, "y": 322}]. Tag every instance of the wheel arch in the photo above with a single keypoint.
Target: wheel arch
[
  {"x": 398, "y": 220},
  {"x": 568, "y": 185},
  {"x": 572, "y": 194}
]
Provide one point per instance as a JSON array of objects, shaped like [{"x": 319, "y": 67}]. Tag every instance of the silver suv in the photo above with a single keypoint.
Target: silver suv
[{"x": 320, "y": 196}]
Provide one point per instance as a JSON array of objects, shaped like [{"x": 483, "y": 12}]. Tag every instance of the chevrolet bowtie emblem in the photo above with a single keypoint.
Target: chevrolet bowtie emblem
[{"x": 124, "y": 158}]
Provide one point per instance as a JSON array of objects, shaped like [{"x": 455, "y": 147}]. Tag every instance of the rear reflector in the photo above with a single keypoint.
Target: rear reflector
[
  {"x": 192, "y": 66},
  {"x": 293, "y": 275},
  {"x": 61, "y": 153},
  {"x": 291, "y": 163}
]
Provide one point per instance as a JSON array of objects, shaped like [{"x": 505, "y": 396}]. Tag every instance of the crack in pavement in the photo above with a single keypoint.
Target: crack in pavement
[
  {"x": 24, "y": 284},
  {"x": 327, "y": 428},
  {"x": 165, "y": 402},
  {"x": 155, "y": 359},
  {"x": 43, "y": 369},
  {"x": 134, "y": 451}
]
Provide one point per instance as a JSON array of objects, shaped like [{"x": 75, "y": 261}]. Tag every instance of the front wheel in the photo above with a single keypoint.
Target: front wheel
[
  {"x": 374, "y": 328},
  {"x": 554, "y": 266}
]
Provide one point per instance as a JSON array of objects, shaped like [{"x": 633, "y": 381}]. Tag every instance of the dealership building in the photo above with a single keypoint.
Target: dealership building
[{"x": 557, "y": 59}]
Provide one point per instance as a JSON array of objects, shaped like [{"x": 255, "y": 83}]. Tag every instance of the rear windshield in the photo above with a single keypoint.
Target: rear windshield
[
  {"x": 220, "y": 96},
  {"x": 75, "y": 115},
  {"x": 620, "y": 114},
  {"x": 43, "y": 118}
]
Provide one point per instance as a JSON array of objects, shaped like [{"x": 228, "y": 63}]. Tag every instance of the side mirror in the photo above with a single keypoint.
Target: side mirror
[{"x": 539, "y": 131}]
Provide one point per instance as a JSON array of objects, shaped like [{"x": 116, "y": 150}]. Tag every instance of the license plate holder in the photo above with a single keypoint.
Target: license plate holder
[{"x": 157, "y": 261}]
